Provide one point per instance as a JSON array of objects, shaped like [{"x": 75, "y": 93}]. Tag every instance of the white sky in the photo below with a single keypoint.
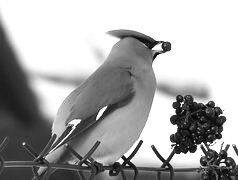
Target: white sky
[{"x": 56, "y": 36}]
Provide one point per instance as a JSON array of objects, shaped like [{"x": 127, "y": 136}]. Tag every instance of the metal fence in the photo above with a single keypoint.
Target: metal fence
[{"x": 87, "y": 163}]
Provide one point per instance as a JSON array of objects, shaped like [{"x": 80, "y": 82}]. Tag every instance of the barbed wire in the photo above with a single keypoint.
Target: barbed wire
[{"x": 87, "y": 163}]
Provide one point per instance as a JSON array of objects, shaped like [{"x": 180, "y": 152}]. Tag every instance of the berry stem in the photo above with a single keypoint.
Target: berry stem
[
  {"x": 235, "y": 149},
  {"x": 203, "y": 149},
  {"x": 227, "y": 147}
]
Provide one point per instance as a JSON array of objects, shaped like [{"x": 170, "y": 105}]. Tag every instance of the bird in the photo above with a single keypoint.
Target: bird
[{"x": 111, "y": 106}]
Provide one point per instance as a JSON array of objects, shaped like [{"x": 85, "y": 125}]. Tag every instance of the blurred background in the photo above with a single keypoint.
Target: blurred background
[{"x": 47, "y": 48}]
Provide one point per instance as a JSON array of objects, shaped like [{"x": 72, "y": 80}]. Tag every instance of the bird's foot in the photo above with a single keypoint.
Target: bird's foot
[
  {"x": 97, "y": 167},
  {"x": 116, "y": 169}
]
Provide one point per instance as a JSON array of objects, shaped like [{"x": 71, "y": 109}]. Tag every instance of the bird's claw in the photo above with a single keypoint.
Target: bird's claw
[
  {"x": 116, "y": 168},
  {"x": 98, "y": 167}
]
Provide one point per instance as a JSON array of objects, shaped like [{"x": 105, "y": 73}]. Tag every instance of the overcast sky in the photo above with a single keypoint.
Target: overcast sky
[{"x": 60, "y": 37}]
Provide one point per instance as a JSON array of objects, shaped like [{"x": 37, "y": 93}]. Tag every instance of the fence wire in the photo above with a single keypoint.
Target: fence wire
[{"x": 87, "y": 163}]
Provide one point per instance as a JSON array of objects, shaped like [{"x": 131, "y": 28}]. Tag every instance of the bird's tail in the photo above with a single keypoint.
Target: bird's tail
[{"x": 58, "y": 156}]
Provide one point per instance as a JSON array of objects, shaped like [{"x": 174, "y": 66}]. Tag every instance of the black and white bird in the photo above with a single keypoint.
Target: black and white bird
[{"x": 112, "y": 105}]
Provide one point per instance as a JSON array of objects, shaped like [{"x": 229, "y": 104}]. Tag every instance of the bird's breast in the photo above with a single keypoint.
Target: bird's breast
[{"x": 120, "y": 129}]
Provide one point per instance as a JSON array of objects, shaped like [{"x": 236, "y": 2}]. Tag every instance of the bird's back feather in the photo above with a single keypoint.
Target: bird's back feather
[{"x": 110, "y": 87}]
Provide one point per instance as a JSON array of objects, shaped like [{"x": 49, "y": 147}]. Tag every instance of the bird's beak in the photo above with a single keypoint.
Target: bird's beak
[{"x": 166, "y": 46}]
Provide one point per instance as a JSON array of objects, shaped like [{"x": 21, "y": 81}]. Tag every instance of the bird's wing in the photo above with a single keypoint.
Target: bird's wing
[{"x": 107, "y": 89}]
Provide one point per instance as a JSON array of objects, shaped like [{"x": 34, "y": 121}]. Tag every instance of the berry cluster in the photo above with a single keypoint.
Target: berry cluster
[
  {"x": 218, "y": 166},
  {"x": 196, "y": 122}
]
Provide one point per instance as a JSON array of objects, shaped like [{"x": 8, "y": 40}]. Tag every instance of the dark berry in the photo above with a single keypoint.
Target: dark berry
[
  {"x": 194, "y": 136},
  {"x": 201, "y": 106},
  {"x": 208, "y": 132},
  {"x": 166, "y": 46},
  {"x": 197, "y": 116},
  {"x": 218, "y": 136},
  {"x": 184, "y": 140},
  {"x": 197, "y": 141},
  {"x": 176, "y": 105},
  {"x": 214, "y": 129},
  {"x": 193, "y": 128},
  {"x": 185, "y": 132},
  {"x": 190, "y": 142},
  {"x": 211, "y": 154},
  {"x": 220, "y": 120},
  {"x": 233, "y": 172},
  {"x": 184, "y": 125},
  {"x": 174, "y": 119},
  {"x": 210, "y": 112},
  {"x": 220, "y": 129},
  {"x": 200, "y": 138},
  {"x": 185, "y": 107},
  {"x": 230, "y": 162},
  {"x": 195, "y": 106},
  {"x": 172, "y": 138},
  {"x": 178, "y": 111},
  {"x": 224, "y": 170},
  {"x": 206, "y": 126},
  {"x": 218, "y": 111},
  {"x": 223, "y": 154},
  {"x": 205, "y": 176},
  {"x": 212, "y": 175},
  {"x": 203, "y": 161},
  {"x": 211, "y": 104},
  {"x": 211, "y": 138},
  {"x": 179, "y": 98},
  {"x": 184, "y": 149},
  {"x": 177, "y": 136},
  {"x": 203, "y": 119},
  {"x": 193, "y": 148},
  {"x": 177, "y": 149},
  {"x": 200, "y": 130},
  {"x": 188, "y": 99}
]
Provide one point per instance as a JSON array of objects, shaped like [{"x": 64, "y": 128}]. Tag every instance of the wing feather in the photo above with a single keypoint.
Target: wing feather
[{"x": 108, "y": 86}]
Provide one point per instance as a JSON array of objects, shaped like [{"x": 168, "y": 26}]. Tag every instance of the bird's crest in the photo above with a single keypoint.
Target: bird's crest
[{"x": 123, "y": 33}]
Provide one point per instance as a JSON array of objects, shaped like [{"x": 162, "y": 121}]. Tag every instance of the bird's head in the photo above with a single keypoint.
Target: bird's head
[{"x": 139, "y": 43}]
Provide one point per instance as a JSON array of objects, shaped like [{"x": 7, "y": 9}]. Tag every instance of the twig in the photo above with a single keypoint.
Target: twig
[
  {"x": 235, "y": 149},
  {"x": 203, "y": 149}
]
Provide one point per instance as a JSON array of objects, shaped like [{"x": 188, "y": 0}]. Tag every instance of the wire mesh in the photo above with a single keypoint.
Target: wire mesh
[{"x": 87, "y": 163}]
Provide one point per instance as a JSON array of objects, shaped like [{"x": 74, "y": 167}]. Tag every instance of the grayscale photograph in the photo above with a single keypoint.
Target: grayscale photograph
[{"x": 118, "y": 90}]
